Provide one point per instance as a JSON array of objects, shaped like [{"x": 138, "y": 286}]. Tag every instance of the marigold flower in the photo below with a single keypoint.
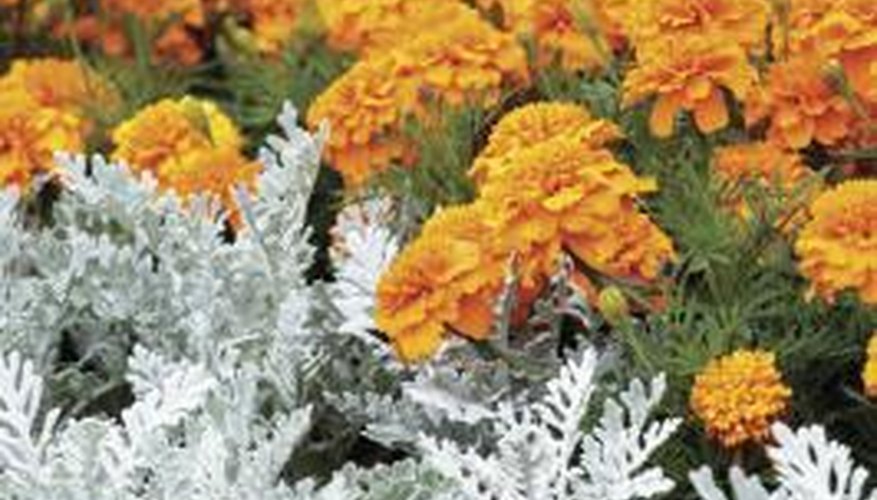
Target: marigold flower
[
  {"x": 869, "y": 374},
  {"x": 380, "y": 25},
  {"x": 449, "y": 276},
  {"x": 688, "y": 73},
  {"x": 365, "y": 109},
  {"x": 66, "y": 86},
  {"x": 30, "y": 134},
  {"x": 802, "y": 105},
  {"x": 555, "y": 26},
  {"x": 168, "y": 129},
  {"x": 273, "y": 22},
  {"x": 742, "y": 22},
  {"x": 739, "y": 396},
  {"x": 532, "y": 124},
  {"x": 838, "y": 247},
  {"x": 558, "y": 194},
  {"x": 190, "y": 147},
  {"x": 464, "y": 61}
]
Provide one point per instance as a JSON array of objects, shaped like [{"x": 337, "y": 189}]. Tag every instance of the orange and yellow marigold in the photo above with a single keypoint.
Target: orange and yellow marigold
[
  {"x": 838, "y": 247},
  {"x": 739, "y": 396},
  {"x": 448, "y": 277},
  {"x": 533, "y": 124},
  {"x": 189, "y": 146},
  {"x": 689, "y": 74}
]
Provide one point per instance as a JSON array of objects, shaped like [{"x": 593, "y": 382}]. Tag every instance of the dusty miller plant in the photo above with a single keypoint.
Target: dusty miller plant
[{"x": 808, "y": 466}]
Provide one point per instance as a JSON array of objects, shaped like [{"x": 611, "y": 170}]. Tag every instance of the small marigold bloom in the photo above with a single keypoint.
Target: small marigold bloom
[
  {"x": 168, "y": 129},
  {"x": 688, "y": 74},
  {"x": 66, "y": 86},
  {"x": 556, "y": 28},
  {"x": 273, "y": 22},
  {"x": 465, "y": 60},
  {"x": 838, "y": 247},
  {"x": 448, "y": 277},
  {"x": 742, "y": 22},
  {"x": 739, "y": 396},
  {"x": 532, "y": 124},
  {"x": 802, "y": 105},
  {"x": 766, "y": 164},
  {"x": 190, "y": 147},
  {"x": 30, "y": 134},
  {"x": 365, "y": 109},
  {"x": 380, "y": 25},
  {"x": 869, "y": 374},
  {"x": 558, "y": 194}
]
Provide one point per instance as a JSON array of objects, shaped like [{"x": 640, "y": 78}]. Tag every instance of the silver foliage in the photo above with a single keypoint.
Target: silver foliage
[{"x": 808, "y": 465}]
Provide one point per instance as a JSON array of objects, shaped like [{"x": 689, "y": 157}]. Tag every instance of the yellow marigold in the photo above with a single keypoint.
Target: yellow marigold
[
  {"x": 838, "y": 247},
  {"x": 688, "y": 74},
  {"x": 190, "y": 147},
  {"x": 770, "y": 166},
  {"x": 462, "y": 61},
  {"x": 739, "y": 396},
  {"x": 869, "y": 374},
  {"x": 30, "y": 134},
  {"x": 559, "y": 194},
  {"x": 273, "y": 22},
  {"x": 742, "y": 22},
  {"x": 169, "y": 129},
  {"x": 365, "y": 109},
  {"x": 66, "y": 86},
  {"x": 532, "y": 124},
  {"x": 465, "y": 60},
  {"x": 191, "y": 11},
  {"x": 449, "y": 276},
  {"x": 801, "y": 104},
  {"x": 379, "y": 25},
  {"x": 556, "y": 28}
]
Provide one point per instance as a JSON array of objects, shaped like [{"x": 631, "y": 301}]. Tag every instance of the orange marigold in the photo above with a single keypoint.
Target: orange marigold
[
  {"x": 869, "y": 373},
  {"x": 464, "y": 61},
  {"x": 556, "y": 26},
  {"x": 365, "y": 109},
  {"x": 168, "y": 129},
  {"x": 66, "y": 86},
  {"x": 558, "y": 194},
  {"x": 742, "y": 22},
  {"x": 838, "y": 247},
  {"x": 739, "y": 396},
  {"x": 688, "y": 73},
  {"x": 273, "y": 22},
  {"x": 379, "y": 25},
  {"x": 189, "y": 146},
  {"x": 532, "y": 124},
  {"x": 30, "y": 134},
  {"x": 449, "y": 276},
  {"x": 802, "y": 105}
]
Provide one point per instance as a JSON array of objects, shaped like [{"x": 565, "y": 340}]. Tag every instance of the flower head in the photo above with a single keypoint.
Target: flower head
[
  {"x": 535, "y": 123},
  {"x": 190, "y": 147},
  {"x": 449, "y": 276},
  {"x": 380, "y": 25},
  {"x": 689, "y": 74},
  {"x": 168, "y": 129},
  {"x": 30, "y": 135},
  {"x": 838, "y": 247},
  {"x": 273, "y": 22},
  {"x": 365, "y": 109},
  {"x": 556, "y": 28},
  {"x": 739, "y": 396},
  {"x": 558, "y": 194},
  {"x": 742, "y": 22}
]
